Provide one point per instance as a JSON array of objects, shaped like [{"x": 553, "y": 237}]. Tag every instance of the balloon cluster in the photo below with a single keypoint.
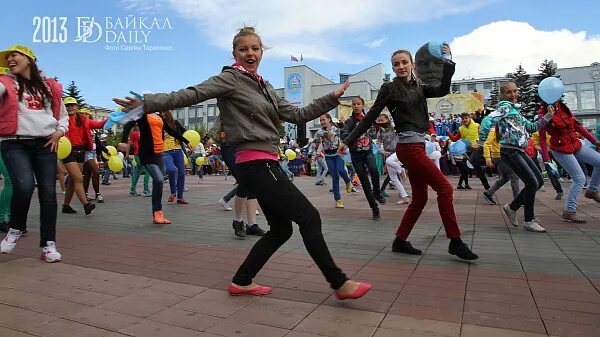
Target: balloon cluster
[{"x": 115, "y": 160}]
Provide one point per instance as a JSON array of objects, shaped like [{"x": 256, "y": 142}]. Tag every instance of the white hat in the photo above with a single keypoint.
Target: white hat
[{"x": 103, "y": 136}]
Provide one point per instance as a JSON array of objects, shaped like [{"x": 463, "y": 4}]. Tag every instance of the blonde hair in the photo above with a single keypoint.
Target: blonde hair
[{"x": 245, "y": 31}]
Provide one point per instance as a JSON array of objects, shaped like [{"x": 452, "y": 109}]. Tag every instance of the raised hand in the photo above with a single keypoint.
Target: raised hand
[
  {"x": 128, "y": 103},
  {"x": 340, "y": 91}
]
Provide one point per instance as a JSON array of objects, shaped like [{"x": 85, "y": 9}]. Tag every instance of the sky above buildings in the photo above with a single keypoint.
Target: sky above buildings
[{"x": 111, "y": 47}]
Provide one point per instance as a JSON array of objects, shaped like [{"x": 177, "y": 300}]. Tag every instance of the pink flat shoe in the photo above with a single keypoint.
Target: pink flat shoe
[
  {"x": 362, "y": 289},
  {"x": 258, "y": 291}
]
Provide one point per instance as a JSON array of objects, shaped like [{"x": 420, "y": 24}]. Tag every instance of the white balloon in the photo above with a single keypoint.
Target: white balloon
[{"x": 435, "y": 155}]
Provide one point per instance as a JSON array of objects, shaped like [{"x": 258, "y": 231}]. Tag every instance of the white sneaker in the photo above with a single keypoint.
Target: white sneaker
[
  {"x": 512, "y": 215},
  {"x": 403, "y": 201},
  {"x": 225, "y": 204},
  {"x": 533, "y": 226},
  {"x": 49, "y": 253},
  {"x": 257, "y": 212},
  {"x": 10, "y": 241}
]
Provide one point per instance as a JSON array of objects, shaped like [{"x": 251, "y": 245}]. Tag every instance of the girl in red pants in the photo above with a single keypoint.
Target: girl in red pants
[{"x": 405, "y": 99}]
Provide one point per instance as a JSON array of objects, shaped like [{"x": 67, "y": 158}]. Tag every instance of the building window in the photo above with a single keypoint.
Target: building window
[
  {"x": 471, "y": 87},
  {"x": 570, "y": 100},
  {"x": 585, "y": 86},
  {"x": 488, "y": 85},
  {"x": 211, "y": 110},
  {"x": 588, "y": 100},
  {"x": 455, "y": 88},
  {"x": 200, "y": 111},
  {"x": 589, "y": 123}
]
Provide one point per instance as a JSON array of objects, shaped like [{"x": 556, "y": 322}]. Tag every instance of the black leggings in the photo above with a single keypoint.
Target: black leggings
[
  {"x": 282, "y": 203},
  {"x": 478, "y": 161},
  {"x": 464, "y": 172},
  {"x": 364, "y": 164},
  {"x": 529, "y": 174}
]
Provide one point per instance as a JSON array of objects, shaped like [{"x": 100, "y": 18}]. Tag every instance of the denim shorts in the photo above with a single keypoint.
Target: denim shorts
[{"x": 89, "y": 155}]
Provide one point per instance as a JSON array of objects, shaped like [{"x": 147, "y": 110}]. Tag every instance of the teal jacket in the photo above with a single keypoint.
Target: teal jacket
[
  {"x": 487, "y": 124},
  {"x": 513, "y": 130}
]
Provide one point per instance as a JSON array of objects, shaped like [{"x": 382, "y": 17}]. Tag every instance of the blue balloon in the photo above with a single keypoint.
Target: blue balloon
[
  {"x": 435, "y": 49},
  {"x": 428, "y": 147},
  {"x": 458, "y": 148},
  {"x": 551, "y": 89}
]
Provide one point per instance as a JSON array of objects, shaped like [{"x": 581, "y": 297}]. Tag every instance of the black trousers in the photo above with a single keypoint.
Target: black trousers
[
  {"x": 464, "y": 172},
  {"x": 228, "y": 155},
  {"x": 363, "y": 161},
  {"x": 282, "y": 203},
  {"x": 478, "y": 162},
  {"x": 529, "y": 174}
]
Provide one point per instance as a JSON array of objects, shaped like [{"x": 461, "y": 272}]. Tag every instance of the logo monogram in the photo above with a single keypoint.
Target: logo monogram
[{"x": 85, "y": 29}]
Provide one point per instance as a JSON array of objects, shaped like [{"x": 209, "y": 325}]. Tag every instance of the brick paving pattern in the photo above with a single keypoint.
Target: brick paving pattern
[{"x": 123, "y": 276}]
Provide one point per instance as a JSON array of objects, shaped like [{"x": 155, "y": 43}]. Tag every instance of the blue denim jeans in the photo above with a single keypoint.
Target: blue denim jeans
[
  {"x": 570, "y": 162},
  {"x": 157, "y": 172},
  {"x": 176, "y": 170},
  {"x": 25, "y": 158},
  {"x": 336, "y": 167},
  {"x": 322, "y": 169}
]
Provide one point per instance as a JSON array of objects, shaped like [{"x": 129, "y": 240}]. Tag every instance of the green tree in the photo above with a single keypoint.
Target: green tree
[
  {"x": 526, "y": 92},
  {"x": 73, "y": 91},
  {"x": 546, "y": 69}
]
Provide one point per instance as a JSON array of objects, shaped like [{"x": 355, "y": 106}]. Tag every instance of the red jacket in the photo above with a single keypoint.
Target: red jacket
[
  {"x": 9, "y": 109},
  {"x": 82, "y": 135},
  {"x": 563, "y": 129}
]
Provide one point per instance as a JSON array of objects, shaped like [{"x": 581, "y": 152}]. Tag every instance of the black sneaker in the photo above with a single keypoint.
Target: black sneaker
[
  {"x": 459, "y": 187},
  {"x": 88, "y": 208},
  {"x": 462, "y": 251},
  {"x": 239, "y": 228},
  {"x": 380, "y": 199},
  {"x": 4, "y": 227},
  {"x": 255, "y": 230},
  {"x": 558, "y": 196},
  {"x": 467, "y": 187},
  {"x": 488, "y": 197},
  {"x": 376, "y": 216},
  {"x": 68, "y": 209},
  {"x": 403, "y": 246}
]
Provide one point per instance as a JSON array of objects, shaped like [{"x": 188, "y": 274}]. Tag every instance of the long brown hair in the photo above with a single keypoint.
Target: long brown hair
[
  {"x": 167, "y": 116},
  {"x": 35, "y": 85}
]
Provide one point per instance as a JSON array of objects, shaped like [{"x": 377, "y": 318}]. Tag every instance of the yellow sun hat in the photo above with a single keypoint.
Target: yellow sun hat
[
  {"x": 18, "y": 48},
  {"x": 70, "y": 100}
]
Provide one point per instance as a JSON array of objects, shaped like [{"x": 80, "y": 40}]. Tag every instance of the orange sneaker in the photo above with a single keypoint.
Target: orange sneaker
[
  {"x": 160, "y": 219},
  {"x": 171, "y": 198}
]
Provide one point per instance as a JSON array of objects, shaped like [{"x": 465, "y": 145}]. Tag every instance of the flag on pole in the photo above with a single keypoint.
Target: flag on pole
[
  {"x": 293, "y": 59},
  {"x": 301, "y": 58}
]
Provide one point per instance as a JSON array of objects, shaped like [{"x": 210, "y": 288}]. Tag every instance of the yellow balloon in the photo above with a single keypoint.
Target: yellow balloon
[
  {"x": 112, "y": 150},
  {"x": 290, "y": 154},
  {"x": 200, "y": 161},
  {"x": 115, "y": 164},
  {"x": 192, "y": 136},
  {"x": 64, "y": 148}
]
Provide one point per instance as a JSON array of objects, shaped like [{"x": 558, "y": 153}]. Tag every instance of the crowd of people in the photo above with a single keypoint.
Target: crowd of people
[{"x": 396, "y": 132}]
